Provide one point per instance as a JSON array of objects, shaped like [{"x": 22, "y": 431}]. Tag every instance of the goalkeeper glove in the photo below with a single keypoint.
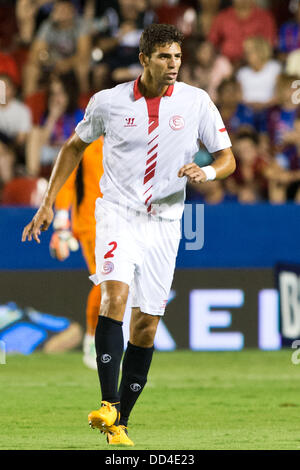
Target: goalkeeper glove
[{"x": 62, "y": 240}]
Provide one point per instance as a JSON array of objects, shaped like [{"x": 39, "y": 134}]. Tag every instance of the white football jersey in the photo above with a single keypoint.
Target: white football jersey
[{"x": 147, "y": 141}]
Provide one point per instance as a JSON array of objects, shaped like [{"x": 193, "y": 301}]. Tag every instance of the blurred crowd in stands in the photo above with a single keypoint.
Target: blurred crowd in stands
[{"x": 54, "y": 55}]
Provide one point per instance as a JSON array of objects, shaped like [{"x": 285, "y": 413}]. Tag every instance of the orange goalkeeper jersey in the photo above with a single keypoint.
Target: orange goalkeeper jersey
[{"x": 83, "y": 219}]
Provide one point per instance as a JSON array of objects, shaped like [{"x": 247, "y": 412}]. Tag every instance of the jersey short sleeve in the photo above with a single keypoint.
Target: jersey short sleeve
[
  {"x": 95, "y": 120},
  {"x": 211, "y": 130}
]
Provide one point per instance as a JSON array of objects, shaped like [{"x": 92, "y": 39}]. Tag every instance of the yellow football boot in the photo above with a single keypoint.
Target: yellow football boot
[
  {"x": 105, "y": 417},
  {"x": 117, "y": 436}
]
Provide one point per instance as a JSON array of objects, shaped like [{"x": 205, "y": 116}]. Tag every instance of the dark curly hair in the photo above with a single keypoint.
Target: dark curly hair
[{"x": 159, "y": 34}]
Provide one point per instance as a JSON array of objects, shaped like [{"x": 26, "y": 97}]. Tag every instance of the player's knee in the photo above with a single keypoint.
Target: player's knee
[{"x": 112, "y": 305}]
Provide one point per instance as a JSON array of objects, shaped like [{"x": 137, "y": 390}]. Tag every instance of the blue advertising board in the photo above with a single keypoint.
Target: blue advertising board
[{"x": 234, "y": 235}]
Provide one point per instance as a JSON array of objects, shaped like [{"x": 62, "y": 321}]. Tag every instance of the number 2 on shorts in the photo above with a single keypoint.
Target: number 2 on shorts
[{"x": 110, "y": 254}]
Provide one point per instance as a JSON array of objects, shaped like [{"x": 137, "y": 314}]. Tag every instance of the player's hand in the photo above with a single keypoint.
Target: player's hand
[
  {"x": 193, "y": 173},
  {"x": 41, "y": 221},
  {"x": 62, "y": 240}
]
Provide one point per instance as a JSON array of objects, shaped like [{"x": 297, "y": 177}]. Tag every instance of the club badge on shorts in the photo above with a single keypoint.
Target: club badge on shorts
[
  {"x": 176, "y": 123},
  {"x": 107, "y": 267}
]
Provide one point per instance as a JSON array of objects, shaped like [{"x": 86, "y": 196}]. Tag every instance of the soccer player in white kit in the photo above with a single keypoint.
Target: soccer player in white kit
[{"x": 152, "y": 127}]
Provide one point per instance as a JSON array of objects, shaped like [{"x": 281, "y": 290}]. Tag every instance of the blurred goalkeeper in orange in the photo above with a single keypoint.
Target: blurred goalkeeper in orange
[{"x": 79, "y": 194}]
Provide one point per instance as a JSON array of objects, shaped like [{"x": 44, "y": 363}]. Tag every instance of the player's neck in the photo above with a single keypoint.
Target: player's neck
[{"x": 149, "y": 88}]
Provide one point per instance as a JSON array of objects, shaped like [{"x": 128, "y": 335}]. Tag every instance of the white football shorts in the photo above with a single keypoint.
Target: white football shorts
[{"x": 138, "y": 250}]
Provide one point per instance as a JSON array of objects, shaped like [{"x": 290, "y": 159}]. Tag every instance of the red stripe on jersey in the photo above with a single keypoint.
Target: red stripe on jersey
[
  {"x": 223, "y": 129},
  {"x": 150, "y": 168},
  {"x": 148, "y": 198},
  {"x": 149, "y": 176},
  {"x": 148, "y": 189},
  {"x": 153, "y": 110},
  {"x": 151, "y": 159},
  {"x": 152, "y": 139},
  {"x": 153, "y": 122},
  {"x": 153, "y": 148}
]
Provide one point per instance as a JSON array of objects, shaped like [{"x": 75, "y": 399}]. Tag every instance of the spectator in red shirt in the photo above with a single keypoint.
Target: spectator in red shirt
[
  {"x": 24, "y": 191},
  {"x": 235, "y": 24},
  {"x": 9, "y": 67}
]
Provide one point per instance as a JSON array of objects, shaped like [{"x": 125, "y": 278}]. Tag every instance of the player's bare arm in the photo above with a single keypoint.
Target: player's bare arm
[
  {"x": 224, "y": 165},
  {"x": 68, "y": 158}
]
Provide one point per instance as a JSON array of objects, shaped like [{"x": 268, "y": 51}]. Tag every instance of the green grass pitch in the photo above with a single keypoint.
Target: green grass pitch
[{"x": 193, "y": 400}]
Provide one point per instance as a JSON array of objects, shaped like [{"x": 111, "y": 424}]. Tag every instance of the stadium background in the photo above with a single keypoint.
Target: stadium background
[{"x": 238, "y": 294}]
